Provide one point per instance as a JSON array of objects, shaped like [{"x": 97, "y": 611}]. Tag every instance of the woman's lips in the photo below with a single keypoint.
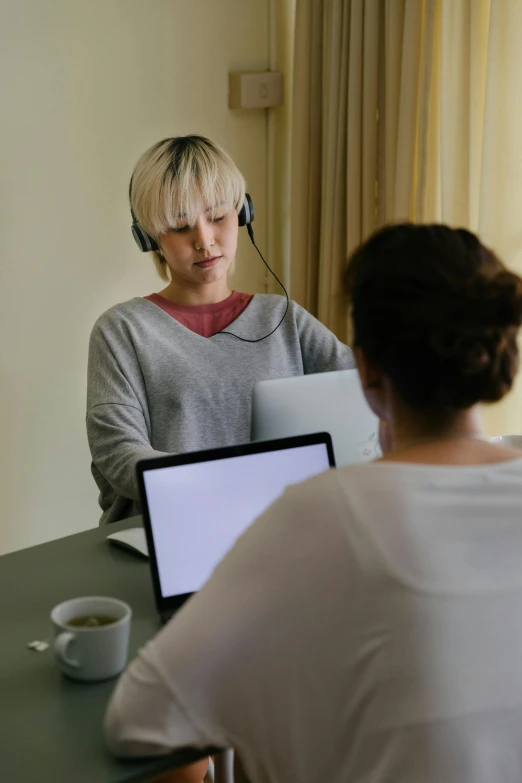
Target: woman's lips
[{"x": 207, "y": 262}]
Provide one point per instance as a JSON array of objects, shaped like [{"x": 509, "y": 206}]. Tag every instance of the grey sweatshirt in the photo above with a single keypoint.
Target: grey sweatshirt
[{"x": 155, "y": 387}]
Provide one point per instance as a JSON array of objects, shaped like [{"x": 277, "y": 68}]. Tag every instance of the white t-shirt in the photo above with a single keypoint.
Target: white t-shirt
[{"x": 367, "y": 629}]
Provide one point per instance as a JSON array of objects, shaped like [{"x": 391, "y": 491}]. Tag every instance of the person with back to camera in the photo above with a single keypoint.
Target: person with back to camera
[
  {"x": 368, "y": 627},
  {"x": 174, "y": 371}
]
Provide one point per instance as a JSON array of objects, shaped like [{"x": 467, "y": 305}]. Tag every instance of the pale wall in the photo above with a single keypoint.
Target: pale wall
[{"x": 85, "y": 88}]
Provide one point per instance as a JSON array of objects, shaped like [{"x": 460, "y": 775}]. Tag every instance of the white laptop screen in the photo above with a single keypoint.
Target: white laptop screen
[{"x": 198, "y": 510}]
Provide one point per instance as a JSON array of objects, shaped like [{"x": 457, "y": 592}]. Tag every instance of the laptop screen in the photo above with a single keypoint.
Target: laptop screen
[{"x": 197, "y": 510}]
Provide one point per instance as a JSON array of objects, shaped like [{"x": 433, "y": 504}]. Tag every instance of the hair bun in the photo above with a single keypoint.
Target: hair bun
[
  {"x": 504, "y": 295},
  {"x": 438, "y": 312},
  {"x": 472, "y": 333},
  {"x": 482, "y": 304}
]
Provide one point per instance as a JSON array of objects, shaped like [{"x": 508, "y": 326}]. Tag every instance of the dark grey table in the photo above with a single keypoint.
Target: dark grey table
[{"x": 51, "y": 727}]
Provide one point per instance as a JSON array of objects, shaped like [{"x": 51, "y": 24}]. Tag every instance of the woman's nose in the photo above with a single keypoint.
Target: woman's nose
[{"x": 203, "y": 234}]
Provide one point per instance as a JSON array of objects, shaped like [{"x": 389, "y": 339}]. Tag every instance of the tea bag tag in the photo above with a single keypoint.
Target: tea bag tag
[{"x": 38, "y": 646}]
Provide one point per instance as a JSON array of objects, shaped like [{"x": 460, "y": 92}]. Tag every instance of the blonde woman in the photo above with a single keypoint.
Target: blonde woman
[{"x": 174, "y": 371}]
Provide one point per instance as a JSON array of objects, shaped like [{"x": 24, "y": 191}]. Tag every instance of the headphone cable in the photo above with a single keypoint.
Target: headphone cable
[{"x": 260, "y": 339}]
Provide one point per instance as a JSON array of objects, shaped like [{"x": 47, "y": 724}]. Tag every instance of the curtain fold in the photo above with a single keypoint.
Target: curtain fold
[
  {"x": 360, "y": 68},
  {"x": 500, "y": 194},
  {"x": 305, "y": 210}
]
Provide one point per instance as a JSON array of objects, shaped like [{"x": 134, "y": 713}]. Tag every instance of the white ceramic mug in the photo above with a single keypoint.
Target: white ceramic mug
[
  {"x": 91, "y": 653},
  {"x": 513, "y": 441}
]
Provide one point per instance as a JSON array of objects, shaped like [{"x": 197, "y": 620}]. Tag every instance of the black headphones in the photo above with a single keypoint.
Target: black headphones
[{"x": 147, "y": 244}]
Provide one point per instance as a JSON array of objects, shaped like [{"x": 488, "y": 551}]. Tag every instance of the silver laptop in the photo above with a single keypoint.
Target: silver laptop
[{"x": 328, "y": 402}]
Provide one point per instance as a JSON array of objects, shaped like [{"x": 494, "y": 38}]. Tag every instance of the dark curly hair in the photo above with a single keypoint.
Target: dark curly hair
[{"x": 438, "y": 312}]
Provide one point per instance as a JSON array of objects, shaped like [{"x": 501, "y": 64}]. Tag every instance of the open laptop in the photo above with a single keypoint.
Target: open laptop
[
  {"x": 327, "y": 402},
  {"x": 196, "y": 505}
]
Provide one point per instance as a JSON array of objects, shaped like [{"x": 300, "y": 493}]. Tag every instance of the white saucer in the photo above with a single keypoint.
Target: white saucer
[{"x": 514, "y": 441}]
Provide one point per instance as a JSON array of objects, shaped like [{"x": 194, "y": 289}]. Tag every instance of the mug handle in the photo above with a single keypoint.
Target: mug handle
[{"x": 61, "y": 645}]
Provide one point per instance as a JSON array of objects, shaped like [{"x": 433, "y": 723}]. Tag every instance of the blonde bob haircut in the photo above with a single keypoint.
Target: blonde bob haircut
[{"x": 179, "y": 178}]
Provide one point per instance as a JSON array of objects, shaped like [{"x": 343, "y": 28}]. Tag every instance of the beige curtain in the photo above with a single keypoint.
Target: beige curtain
[
  {"x": 473, "y": 165},
  {"x": 359, "y": 71},
  {"x": 403, "y": 109},
  {"x": 500, "y": 206}
]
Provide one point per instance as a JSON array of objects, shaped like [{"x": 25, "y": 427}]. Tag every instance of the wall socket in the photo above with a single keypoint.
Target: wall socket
[{"x": 255, "y": 90}]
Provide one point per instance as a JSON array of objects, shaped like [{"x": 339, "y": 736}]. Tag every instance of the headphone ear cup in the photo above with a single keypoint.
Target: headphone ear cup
[
  {"x": 246, "y": 213},
  {"x": 145, "y": 242}
]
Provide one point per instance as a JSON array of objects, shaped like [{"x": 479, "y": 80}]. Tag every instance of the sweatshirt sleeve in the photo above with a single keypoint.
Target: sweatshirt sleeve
[
  {"x": 320, "y": 348},
  {"x": 117, "y": 419}
]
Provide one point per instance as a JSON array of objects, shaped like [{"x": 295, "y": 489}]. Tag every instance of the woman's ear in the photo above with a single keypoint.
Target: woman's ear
[
  {"x": 374, "y": 384},
  {"x": 371, "y": 376}
]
